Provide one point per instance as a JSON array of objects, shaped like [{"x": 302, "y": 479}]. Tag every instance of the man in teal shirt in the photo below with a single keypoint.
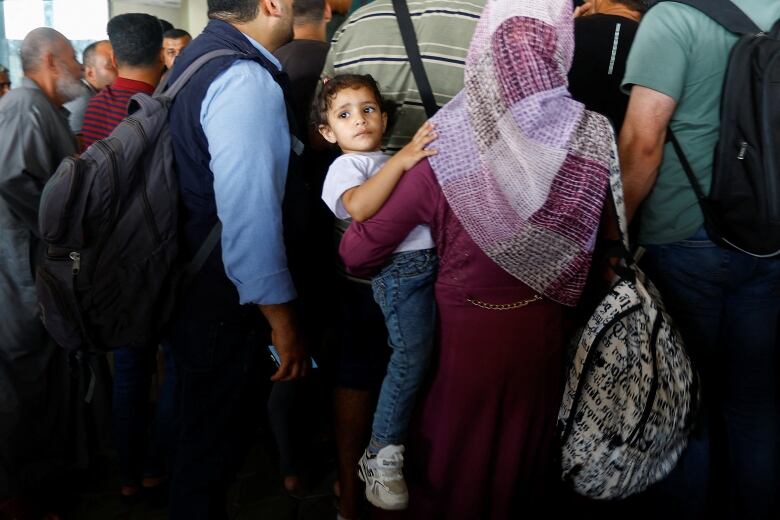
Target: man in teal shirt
[{"x": 725, "y": 303}]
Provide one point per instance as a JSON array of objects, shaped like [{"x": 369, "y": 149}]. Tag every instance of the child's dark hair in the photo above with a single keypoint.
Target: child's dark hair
[{"x": 339, "y": 83}]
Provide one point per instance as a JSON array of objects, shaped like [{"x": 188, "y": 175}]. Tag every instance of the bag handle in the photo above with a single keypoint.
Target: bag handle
[
  {"x": 725, "y": 13},
  {"x": 618, "y": 248},
  {"x": 415, "y": 60}
]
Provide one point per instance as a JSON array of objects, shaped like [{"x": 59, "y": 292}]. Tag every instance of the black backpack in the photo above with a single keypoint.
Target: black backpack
[
  {"x": 742, "y": 211},
  {"x": 109, "y": 219}
]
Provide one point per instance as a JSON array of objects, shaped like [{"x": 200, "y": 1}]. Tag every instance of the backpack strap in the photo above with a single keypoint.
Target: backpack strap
[
  {"x": 279, "y": 76},
  {"x": 616, "y": 210},
  {"x": 775, "y": 30},
  {"x": 710, "y": 218},
  {"x": 204, "y": 251},
  {"x": 726, "y": 13},
  {"x": 686, "y": 166},
  {"x": 190, "y": 71},
  {"x": 415, "y": 60}
]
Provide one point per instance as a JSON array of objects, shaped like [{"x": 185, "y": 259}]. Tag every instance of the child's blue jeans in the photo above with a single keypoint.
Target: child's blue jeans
[{"x": 404, "y": 291}]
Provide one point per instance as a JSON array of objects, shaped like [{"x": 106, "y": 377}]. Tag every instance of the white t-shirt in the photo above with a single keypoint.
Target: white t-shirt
[{"x": 353, "y": 169}]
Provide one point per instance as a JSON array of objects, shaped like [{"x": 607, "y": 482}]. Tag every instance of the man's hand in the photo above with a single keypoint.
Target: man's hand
[
  {"x": 288, "y": 341},
  {"x": 292, "y": 352}
]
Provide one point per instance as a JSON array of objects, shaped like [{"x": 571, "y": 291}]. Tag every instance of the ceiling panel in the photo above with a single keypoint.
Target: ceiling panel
[{"x": 159, "y": 3}]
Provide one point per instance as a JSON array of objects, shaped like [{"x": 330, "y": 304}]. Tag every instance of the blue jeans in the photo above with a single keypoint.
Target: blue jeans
[
  {"x": 141, "y": 454},
  {"x": 404, "y": 291},
  {"x": 726, "y": 306}
]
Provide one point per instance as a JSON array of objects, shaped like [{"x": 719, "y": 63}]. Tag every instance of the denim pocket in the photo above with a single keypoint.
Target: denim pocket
[
  {"x": 379, "y": 287},
  {"x": 412, "y": 263}
]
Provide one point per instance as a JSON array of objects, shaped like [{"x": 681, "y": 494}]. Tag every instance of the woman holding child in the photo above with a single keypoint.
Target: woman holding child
[{"x": 513, "y": 199}]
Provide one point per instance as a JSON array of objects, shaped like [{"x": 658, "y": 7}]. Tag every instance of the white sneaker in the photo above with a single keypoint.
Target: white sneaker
[{"x": 385, "y": 484}]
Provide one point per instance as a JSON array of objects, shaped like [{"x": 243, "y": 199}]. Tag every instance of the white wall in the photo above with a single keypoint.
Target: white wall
[
  {"x": 173, "y": 15},
  {"x": 194, "y": 15},
  {"x": 190, "y": 16}
]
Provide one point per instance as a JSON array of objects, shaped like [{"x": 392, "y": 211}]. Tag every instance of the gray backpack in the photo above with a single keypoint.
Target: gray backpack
[{"x": 109, "y": 220}]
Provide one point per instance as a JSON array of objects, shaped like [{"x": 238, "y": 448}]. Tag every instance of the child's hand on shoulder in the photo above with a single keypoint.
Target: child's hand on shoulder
[{"x": 415, "y": 150}]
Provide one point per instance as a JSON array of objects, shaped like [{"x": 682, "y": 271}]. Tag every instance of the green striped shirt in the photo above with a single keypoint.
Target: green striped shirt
[{"x": 370, "y": 42}]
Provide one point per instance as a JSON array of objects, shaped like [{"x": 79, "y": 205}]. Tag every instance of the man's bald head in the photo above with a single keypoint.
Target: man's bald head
[
  {"x": 99, "y": 68},
  {"x": 48, "y": 60},
  {"x": 37, "y": 44}
]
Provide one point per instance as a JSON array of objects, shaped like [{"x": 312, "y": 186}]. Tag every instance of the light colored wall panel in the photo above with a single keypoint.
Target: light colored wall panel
[
  {"x": 172, "y": 14},
  {"x": 194, "y": 15}
]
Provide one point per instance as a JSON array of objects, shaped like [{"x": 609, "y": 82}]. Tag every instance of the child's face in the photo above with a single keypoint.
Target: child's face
[{"x": 355, "y": 121}]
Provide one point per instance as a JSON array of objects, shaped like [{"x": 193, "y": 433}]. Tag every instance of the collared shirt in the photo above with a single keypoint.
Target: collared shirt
[
  {"x": 77, "y": 107},
  {"x": 244, "y": 119},
  {"x": 108, "y": 108}
]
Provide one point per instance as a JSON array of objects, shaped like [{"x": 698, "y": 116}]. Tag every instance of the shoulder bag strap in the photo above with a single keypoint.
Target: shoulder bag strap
[
  {"x": 190, "y": 71},
  {"x": 415, "y": 60},
  {"x": 686, "y": 166},
  {"x": 205, "y": 250}
]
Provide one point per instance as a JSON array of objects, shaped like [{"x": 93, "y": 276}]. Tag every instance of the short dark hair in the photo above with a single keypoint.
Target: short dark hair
[
  {"x": 88, "y": 56},
  {"x": 307, "y": 11},
  {"x": 234, "y": 11},
  {"x": 165, "y": 24},
  {"x": 136, "y": 39},
  {"x": 638, "y": 5},
  {"x": 337, "y": 84},
  {"x": 176, "y": 33}
]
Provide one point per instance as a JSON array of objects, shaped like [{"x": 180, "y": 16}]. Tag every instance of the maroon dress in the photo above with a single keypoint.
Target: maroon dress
[{"x": 483, "y": 442}]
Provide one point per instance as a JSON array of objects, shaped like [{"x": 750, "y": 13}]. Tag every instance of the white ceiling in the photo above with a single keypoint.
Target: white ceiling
[{"x": 160, "y": 3}]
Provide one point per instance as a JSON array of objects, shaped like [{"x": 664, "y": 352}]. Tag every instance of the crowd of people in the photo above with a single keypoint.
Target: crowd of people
[{"x": 429, "y": 265}]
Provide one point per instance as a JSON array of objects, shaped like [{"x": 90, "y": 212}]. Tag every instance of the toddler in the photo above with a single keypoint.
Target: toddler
[{"x": 351, "y": 114}]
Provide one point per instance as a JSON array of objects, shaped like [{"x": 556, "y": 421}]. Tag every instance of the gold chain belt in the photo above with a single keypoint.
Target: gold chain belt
[{"x": 503, "y": 306}]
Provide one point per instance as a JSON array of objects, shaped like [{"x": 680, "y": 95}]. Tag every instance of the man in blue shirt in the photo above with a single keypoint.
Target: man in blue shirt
[{"x": 232, "y": 143}]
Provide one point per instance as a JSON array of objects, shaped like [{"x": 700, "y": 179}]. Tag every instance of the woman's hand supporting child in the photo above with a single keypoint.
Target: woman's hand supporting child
[{"x": 363, "y": 201}]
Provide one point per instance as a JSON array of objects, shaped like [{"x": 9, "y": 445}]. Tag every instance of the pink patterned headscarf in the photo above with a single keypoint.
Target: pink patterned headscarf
[{"x": 524, "y": 167}]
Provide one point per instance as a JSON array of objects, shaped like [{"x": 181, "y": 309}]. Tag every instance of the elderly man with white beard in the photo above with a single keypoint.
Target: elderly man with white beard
[{"x": 34, "y": 382}]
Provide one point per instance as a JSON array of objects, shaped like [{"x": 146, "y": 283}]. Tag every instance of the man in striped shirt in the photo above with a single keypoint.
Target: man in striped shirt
[
  {"x": 370, "y": 42},
  {"x": 137, "y": 42}
]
